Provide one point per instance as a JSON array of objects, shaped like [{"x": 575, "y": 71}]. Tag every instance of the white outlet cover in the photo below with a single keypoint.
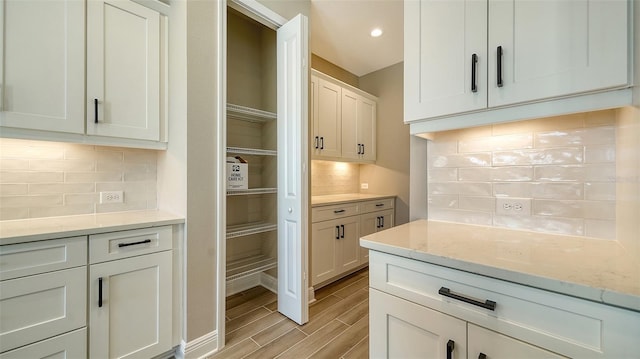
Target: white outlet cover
[
  {"x": 513, "y": 206},
  {"x": 111, "y": 197},
  {"x": 364, "y": 185}
]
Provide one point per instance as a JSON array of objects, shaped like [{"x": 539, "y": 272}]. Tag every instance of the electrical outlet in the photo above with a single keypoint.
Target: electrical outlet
[
  {"x": 364, "y": 186},
  {"x": 111, "y": 197},
  {"x": 513, "y": 206}
]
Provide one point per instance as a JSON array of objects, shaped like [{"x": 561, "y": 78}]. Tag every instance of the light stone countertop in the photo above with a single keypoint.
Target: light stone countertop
[
  {"x": 594, "y": 269},
  {"x": 27, "y": 230},
  {"x": 344, "y": 198}
]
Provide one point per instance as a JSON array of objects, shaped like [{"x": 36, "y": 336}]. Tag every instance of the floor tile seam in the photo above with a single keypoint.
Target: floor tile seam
[
  {"x": 331, "y": 340},
  {"x": 253, "y": 321},
  {"x": 354, "y": 346},
  {"x": 283, "y": 318},
  {"x": 356, "y": 292},
  {"x": 307, "y": 337}
]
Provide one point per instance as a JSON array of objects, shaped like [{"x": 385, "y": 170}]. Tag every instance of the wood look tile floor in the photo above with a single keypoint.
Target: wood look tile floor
[{"x": 338, "y": 324}]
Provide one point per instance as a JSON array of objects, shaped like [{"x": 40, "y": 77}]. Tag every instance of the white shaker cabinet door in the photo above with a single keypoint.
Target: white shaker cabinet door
[
  {"x": 555, "y": 48},
  {"x": 402, "y": 329},
  {"x": 42, "y": 65},
  {"x": 349, "y": 110},
  {"x": 367, "y": 115},
  {"x": 327, "y": 119},
  {"x": 440, "y": 41},
  {"x": 130, "y": 311},
  {"x": 123, "y": 70}
]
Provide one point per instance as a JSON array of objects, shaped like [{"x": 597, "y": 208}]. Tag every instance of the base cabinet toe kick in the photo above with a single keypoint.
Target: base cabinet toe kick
[{"x": 418, "y": 309}]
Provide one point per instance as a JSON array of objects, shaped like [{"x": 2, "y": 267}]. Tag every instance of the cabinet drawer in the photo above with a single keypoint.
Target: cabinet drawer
[
  {"x": 377, "y": 205},
  {"x": 325, "y": 213},
  {"x": 117, "y": 245},
  {"x": 70, "y": 345},
  {"x": 565, "y": 325},
  {"x": 19, "y": 260},
  {"x": 41, "y": 306}
]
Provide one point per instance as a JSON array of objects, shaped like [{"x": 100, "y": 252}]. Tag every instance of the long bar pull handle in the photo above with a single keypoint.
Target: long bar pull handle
[
  {"x": 100, "y": 292},
  {"x": 382, "y": 221},
  {"x": 134, "y": 243},
  {"x": 338, "y": 211},
  {"x": 321, "y": 143},
  {"x": 342, "y": 226},
  {"x": 377, "y": 222},
  {"x": 362, "y": 149},
  {"x": 482, "y": 356},
  {"x": 450, "y": 346},
  {"x": 316, "y": 142},
  {"x": 95, "y": 110},
  {"x": 487, "y": 304},
  {"x": 380, "y": 205},
  {"x": 337, "y": 232},
  {"x": 499, "y": 70},
  {"x": 474, "y": 62}
]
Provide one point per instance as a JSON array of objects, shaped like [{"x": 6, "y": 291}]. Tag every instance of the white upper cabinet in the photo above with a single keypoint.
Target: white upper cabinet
[
  {"x": 344, "y": 121},
  {"x": 470, "y": 63},
  {"x": 123, "y": 70},
  {"x": 441, "y": 38},
  {"x": 555, "y": 48},
  {"x": 47, "y": 93},
  {"x": 42, "y": 65},
  {"x": 327, "y": 118}
]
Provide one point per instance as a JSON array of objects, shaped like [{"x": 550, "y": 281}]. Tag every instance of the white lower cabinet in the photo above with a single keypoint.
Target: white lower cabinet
[
  {"x": 335, "y": 235},
  {"x": 130, "y": 300},
  {"x": 418, "y": 309},
  {"x": 130, "y": 307}
]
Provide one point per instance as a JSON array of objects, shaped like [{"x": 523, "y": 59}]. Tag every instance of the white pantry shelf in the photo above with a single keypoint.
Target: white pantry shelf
[
  {"x": 250, "y": 191},
  {"x": 249, "y": 114},
  {"x": 249, "y": 265},
  {"x": 251, "y": 151},
  {"x": 247, "y": 229}
]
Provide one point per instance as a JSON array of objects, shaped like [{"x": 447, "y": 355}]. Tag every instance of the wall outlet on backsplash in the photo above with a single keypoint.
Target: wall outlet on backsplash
[
  {"x": 364, "y": 186},
  {"x": 513, "y": 206},
  {"x": 111, "y": 197}
]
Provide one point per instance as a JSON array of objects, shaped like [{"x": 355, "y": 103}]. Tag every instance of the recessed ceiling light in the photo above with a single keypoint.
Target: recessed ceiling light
[{"x": 376, "y": 32}]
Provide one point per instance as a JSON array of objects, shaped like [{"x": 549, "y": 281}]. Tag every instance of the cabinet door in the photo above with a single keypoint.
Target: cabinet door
[
  {"x": 556, "y": 48},
  {"x": 350, "y": 145},
  {"x": 367, "y": 114},
  {"x": 349, "y": 244},
  {"x": 440, "y": 39},
  {"x": 328, "y": 119},
  {"x": 42, "y": 65},
  {"x": 123, "y": 70},
  {"x": 402, "y": 329},
  {"x": 324, "y": 241},
  {"x": 369, "y": 224},
  {"x": 496, "y": 346},
  {"x": 133, "y": 319}
]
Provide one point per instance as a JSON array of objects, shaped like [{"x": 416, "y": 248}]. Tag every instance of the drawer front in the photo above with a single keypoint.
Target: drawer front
[
  {"x": 118, "y": 245},
  {"x": 325, "y": 213},
  {"x": 377, "y": 205},
  {"x": 41, "y": 306},
  {"x": 565, "y": 325},
  {"x": 70, "y": 345},
  {"x": 19, "y": 260}
]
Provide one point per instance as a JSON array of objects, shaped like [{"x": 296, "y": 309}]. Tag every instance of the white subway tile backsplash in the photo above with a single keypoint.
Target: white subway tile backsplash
[
  {"x": 599, "y": 154},
  {"x": 442, "y": 174},
  {"x": 569, "y": 155},
  {"x": 462, "y": 160},
  {"x": 484, "y": 204},
  {"x": 565, "y": 165},
  {"x": 44, "y": 179},
  {"x": 443, "y": 201}
]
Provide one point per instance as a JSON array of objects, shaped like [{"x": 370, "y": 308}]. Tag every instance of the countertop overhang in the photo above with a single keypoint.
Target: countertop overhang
[
  {"x": 593, "y": 269},
  {"x": 27, "y": 230},
  {"x": 345, "y": 198}
]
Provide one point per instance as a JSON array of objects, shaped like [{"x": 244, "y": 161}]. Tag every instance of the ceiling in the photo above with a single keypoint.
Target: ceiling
[{"x": 340, "y": 33}]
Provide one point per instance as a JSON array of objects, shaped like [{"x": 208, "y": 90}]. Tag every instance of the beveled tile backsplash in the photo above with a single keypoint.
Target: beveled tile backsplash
[
  {"x": 566, "y": 165},
  {"x": 47, "y": 179}
]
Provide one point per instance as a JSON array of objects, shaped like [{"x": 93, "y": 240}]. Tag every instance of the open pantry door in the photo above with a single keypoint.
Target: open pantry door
[{"x": 293, "y": 158}]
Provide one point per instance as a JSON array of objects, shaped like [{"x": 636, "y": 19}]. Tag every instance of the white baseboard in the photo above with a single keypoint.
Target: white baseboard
[
  {"x": 202, "y": 347},
  {"x": 244, "y": 283},
  {"x": 269, "y": 282}
]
